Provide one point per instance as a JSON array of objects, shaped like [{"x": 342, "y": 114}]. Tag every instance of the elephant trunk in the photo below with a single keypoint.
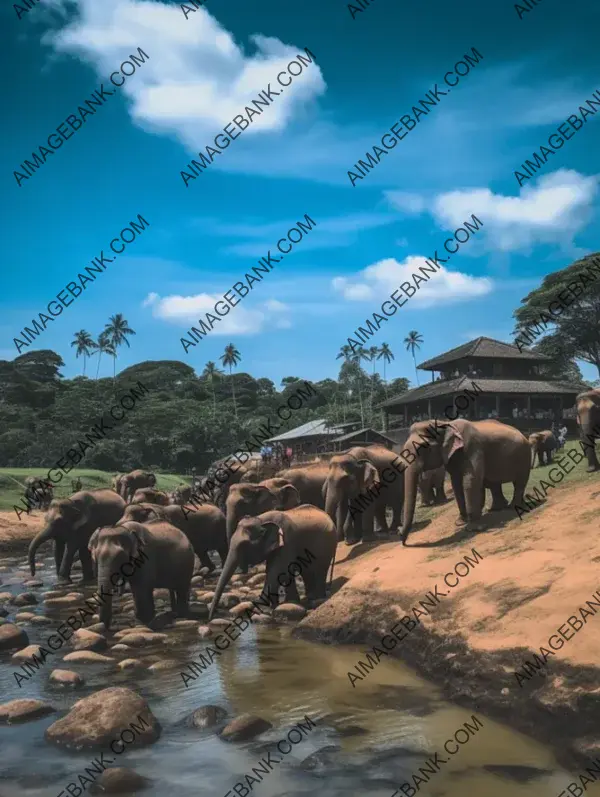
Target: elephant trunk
[
  {"x": 42, "y": 536},
  {"x": 105, "y": 590},
  {"x": 337, "y": 510},
  {"x": 228, "y": 570},
  {"x": 411, "y": 483}
]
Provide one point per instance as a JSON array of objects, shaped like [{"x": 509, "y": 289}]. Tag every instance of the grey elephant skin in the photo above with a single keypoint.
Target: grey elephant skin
[
  {"x": 147, "y": 495},
  {"x": 135, "y": 480},
  {"x": 246, "y": 473},
  {"x": 168, "y": 563},
  {"x": 431, "y": 486},
  {"x": 351, "y": 475},
  {"x": 204, "y": 527},
  {"x": 588, "y": 420},
  {"x": 543, "y": 444},
  {"x": 476, "y": 454},
  {"x": 279, "y": 538},
  {"x": 254, "y": 499},
  {"x": 70, "y": 522},
  {"x": 309, "y": 481}
]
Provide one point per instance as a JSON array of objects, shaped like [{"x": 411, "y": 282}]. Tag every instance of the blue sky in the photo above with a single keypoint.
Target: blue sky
[{"x": 126, "y": 160}]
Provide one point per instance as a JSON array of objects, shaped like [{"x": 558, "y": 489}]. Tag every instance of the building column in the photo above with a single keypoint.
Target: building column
[
  {"x": 406, "y": 415},
  {"x": 529, "y": 407},
  {"x": 384, "y": 419},
  {"x": 429, "y": 407},
  {"x": 498, "y": 405}
]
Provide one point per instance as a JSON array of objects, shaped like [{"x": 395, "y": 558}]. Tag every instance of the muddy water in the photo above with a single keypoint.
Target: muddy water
[{"x": 376, "y": 733}]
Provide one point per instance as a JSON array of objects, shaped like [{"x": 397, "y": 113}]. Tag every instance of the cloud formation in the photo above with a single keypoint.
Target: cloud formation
[{"x": 382, "y": 278}]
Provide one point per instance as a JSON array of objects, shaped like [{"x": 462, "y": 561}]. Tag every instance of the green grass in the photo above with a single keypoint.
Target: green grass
[
  {"x": 11, "y": 493},
  {"x": 578, "y": 473}
]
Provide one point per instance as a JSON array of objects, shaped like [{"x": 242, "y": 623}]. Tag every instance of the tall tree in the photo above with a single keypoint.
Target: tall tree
[
  {"x": 210, "y": 371},
  {"x": 116, "y": 332},
  {"x": 413, "y": 342},
  {"x": 104, "y": 346},
  {"x": 230, "y": 358},
  {"x": 370, "y": 355},
  {"x": 353, "y": 358},
  {"x": 85, "y": 345},
  {"x": 385, "y": 353},
  {"x": 576, "y": 323}
]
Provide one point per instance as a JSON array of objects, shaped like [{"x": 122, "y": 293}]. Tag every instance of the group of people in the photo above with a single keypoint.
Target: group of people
[{"x": 283, "y": 456}]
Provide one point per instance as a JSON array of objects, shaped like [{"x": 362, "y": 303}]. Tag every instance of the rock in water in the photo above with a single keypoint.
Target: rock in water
[
  {"x": 23, "y": 710},
  {"x": 88, "y": 657},
  {"x": 66, "y": 678},
  {"x": 289, "y": 611},
  {"x": 96, "y": 721},
  {"x": 118, "y": 780},
  {"x": 84, "y": 639},
  {"x": 12, "y": 637},
  {"x": 244, "y": 727},
  {"x": 207, "y": 716}
]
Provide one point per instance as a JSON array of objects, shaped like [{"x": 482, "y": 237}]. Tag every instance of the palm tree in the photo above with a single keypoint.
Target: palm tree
[
  {"x": 387, "y": 355},
  {"x": 413, "y": 342},
  {"x": 104, "y": 346},
  {"x": 116, "y": 332},
  {"x": 85, "y": 345},
  {"x": 231, "y": 357},
  {"x": 371, "y": 356},
  {"x": 354, "y": 357},
  {"x": 210, "y": 371}
]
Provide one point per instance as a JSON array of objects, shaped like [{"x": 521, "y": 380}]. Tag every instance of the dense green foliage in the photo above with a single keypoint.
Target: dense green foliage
[{"x": 185, "y": 420}]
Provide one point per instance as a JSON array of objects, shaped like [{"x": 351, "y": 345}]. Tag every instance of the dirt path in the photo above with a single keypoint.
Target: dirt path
[
  {"x": 15, "y": 535},
  {"x": 522, "y": 581}
]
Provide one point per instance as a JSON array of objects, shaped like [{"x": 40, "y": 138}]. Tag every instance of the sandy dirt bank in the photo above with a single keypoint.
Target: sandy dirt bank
[
  {"x": 15, "y": 535},
  {"x": 524, "y": 581}
]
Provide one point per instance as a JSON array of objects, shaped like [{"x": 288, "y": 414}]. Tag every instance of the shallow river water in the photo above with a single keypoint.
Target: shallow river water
[{"x": 376, "y": 733}]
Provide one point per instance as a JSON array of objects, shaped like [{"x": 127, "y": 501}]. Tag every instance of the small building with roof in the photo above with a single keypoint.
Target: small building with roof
[
  {"x": 509, "y": 387},
  {"x": 312, "y": 437}
]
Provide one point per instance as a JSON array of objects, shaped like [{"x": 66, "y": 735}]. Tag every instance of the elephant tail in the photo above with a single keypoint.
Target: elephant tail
[{"x": 41, "y": 537}]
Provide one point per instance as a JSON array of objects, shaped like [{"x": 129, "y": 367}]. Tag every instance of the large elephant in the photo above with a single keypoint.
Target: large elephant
[
  {"x": 309, "y": 481},
  {"x": 356, "y": 492},
  {"x": 70, "y": 522},
  {"x": 247, "y": 473},
  {"x": 279, "y": 538},
  {"x": 38, "y": 492},
  {"x": 135, "y": 480},
  {"x": 254, "y": 499},
  {"x": 181, "y": 494},
  {"x": 588, "y": 420},
  {"x": 431, "y": 486},
  {"x": 147, "y": 495},
  {"x": 542, "y": 443},
  {"x": 204, "y": 527},
  {"x": 476, "y": 454},
  {"x": 167, "y": 562}
]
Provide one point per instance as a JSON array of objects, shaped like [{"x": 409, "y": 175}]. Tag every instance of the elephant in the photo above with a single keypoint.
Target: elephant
[
  {"x": 167, "y": 561},
  {"x": 254, "y": 499},
  {"x": 149, "y": 496},
  {"x": 431, "y": 486},
  {"x": 588, "y": 420},
  {"x": 116, "y": 482},
  {"x": 247, "y": 472},
  {"x": 279, "y": 538},
  {"x": 181, "y": 494},
  {"x": 477, "y": 454},
  {"x": 38, "y": 492},
  {"x": 309, "y": 481},
  {"x": 136, "y": 479},
  {"x": 70, "y": 522},
  {"x": 356, "y": 477},
  {"x": 204, "y": 527},
  {"x": 542, "y": 443}
]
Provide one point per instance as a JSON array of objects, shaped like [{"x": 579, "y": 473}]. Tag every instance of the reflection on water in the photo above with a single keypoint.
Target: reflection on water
[{"x": 369, "y": 738}]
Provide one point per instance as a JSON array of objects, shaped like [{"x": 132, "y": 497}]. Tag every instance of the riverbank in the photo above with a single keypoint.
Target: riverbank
[{"x": 525, "y": 580}]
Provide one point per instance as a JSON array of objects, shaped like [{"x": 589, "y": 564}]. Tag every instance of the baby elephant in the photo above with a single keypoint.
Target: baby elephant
[
  {"x": 204, "y": 526},
  {"x": 148, "y": 556},
  {"x": 147, "y": 495},
  {"x": 542, "y": 443},
  {"x": 431, "y": 486}
]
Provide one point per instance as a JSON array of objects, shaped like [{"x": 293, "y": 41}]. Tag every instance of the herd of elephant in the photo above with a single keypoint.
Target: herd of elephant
[{"x": 313, "y": 506}]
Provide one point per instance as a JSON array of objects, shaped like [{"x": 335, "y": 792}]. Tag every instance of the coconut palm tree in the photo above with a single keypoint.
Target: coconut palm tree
[
  {"x": 104, "y": 346},
  {"x": 116, "y": 332},
  {"x": 231, "y": 357},
  {"x": 386, "y": 353},
  {"x": 85, "y": 345},
  {"x": 210, "y": 371},
  {"x": 370, "y": 355},
  {"x": 413, "y": 342},
  {"x": 354, "y": 357}
]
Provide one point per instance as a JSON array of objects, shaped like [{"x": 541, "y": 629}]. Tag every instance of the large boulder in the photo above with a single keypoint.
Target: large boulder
[
  {"x": 206, "y": 717},
  {"x": 289, "y": 611},
  {"x": 26, "y": 653},
  {"x": 23, "y": 710},
  {"x": 66, "y": 678},
  {"x": 83, "y": 639},
  {"x": 12, "y": 637},
  {"x": 24, "y": 599},
  {"x": 88, "y": 657},
  {"x": 96, "y": 721},
  {"x": 119, "y": 780},
  {"x": 244, "y": 727},
  {"x": 143, "y": 639}
]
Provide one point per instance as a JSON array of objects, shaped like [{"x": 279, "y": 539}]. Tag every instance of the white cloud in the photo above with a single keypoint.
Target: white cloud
[
  {"x": 379, "y": 280},
  {"x": 187, "y": 310},
  {"x": 407, "y": 202},
  {"x": 197, "y": 78}
]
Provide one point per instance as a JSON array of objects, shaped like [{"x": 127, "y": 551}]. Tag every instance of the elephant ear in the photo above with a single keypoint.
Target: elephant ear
[
  {"x": 370, "y": 474},
  {"x": 273, "y": 536},
  {"x": 93, "y": 543},
  {"x": 290, "y": 497},
  {"x": 453, "y": 442}
]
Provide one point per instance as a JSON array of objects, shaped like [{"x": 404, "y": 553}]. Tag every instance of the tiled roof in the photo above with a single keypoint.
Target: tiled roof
[
  {"x": 450, "y": 387},
  {"x": 482, "y": 347}
]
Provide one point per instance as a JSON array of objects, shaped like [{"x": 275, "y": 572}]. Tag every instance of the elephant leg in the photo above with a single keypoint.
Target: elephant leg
[
  {"x": 519, "y": 492},
  {"x": 474, "y": 495},
  {"x": 64, "y": 572},
  {"x": 381, "y": 526},
  {"x": 87, "y": 566},
  {"x": 143, "y": 599},
  {"x": 291, "y": 591},
  {"x": 499, "y": 502},
  {"x": 205, "y": 559},
  {"x": 180, "y": 601},
  {"x": 589, "y": 448},
  {"x": 59, "y": 551},
  {"x": 459, "y": 493},
  {"x": 271, "y": 588},
  {"x": 368, "y": 517},
  {"x": 222, "y": 550}
]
